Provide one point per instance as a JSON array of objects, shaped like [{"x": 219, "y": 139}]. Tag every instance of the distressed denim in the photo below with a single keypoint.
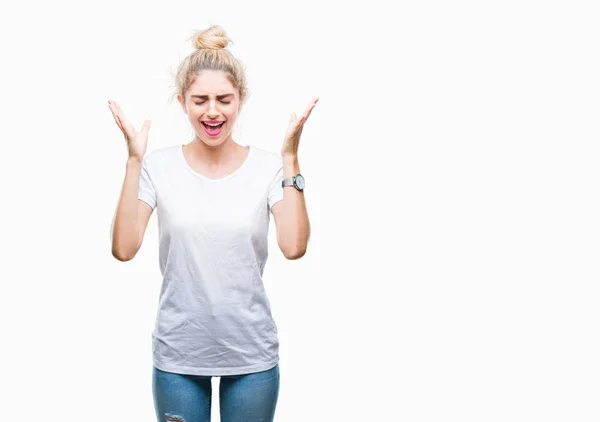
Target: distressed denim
[{"x": 242, "y": 398}]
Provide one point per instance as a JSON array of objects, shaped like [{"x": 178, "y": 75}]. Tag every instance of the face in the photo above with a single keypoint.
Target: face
[{"x": 212, "y": 105}]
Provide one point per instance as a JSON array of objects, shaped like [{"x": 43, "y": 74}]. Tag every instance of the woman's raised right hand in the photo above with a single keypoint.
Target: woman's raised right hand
[{"x": 137, "y": 141}]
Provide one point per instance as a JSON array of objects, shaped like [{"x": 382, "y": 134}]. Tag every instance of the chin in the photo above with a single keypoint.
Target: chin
[{"x": 215, "y": 142}]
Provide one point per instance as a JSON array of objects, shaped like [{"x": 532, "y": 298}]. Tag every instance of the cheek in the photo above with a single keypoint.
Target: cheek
[
  {"x": 194, "y": 114},
  {"x": 232, "y": 113}
]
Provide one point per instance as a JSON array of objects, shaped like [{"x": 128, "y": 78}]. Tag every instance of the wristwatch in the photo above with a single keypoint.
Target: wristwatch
[{"x": 296, "y": 181}]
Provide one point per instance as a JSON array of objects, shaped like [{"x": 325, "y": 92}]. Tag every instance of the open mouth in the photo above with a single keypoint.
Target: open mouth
[
  {"x": 213, "y": 129},
  {"x": 213, "y": 125}
]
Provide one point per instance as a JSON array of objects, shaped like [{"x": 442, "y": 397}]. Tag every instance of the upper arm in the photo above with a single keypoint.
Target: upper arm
[
  {"x": 277, "y": 211},
  {"x": 146, "y": 199},
  {"x": 144, "y": 213}
]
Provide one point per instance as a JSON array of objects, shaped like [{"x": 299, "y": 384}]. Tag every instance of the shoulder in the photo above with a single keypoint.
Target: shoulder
[
  {"x": 269, "y": 159},
  {"x": 162, "y": 154}
]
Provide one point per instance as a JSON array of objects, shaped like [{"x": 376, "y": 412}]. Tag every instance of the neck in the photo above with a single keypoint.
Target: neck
[{"x": 214, "y": 155}]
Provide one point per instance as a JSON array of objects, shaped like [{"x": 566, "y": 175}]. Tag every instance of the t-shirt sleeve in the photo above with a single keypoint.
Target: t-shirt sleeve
[
  {"x": 276, "y": 190},
  {"x": 146, "y": 190}
]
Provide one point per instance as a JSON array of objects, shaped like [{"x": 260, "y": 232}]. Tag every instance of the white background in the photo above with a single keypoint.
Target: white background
[{"x": 452, "y": 187}]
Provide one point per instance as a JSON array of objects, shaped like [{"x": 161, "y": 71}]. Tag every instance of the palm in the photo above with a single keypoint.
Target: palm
[
  {"x": 137, "y": 141},
  {"x": 294, "y": 130}
]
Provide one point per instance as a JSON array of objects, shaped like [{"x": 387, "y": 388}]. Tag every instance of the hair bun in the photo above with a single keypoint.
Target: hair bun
[{"x": 213, "y": 38}]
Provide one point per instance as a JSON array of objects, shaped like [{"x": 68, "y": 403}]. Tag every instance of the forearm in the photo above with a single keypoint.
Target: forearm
[
  {"x": 296, "y": 227},
  {"x": 125, "y": 233}
]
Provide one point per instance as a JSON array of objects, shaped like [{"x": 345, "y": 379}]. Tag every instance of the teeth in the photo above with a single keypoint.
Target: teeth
[{"x": 212, "y": 124}]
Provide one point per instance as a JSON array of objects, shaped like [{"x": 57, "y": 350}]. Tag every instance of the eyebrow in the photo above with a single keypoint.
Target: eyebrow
[{"x": 205, "y": 97}]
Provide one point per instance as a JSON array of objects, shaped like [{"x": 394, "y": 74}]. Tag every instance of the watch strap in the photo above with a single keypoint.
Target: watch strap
[{"x": 289, "y": 181}]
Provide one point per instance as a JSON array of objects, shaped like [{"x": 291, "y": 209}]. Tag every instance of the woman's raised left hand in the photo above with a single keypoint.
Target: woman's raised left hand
[{"x": 294, "y": 130}]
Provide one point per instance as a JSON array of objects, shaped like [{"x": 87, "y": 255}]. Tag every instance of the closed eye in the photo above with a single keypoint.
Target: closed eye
[{"x": 223, "y": 102}]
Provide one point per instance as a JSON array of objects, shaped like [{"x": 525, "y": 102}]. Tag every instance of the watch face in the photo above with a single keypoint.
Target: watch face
[{"x": 300, "y": 181}]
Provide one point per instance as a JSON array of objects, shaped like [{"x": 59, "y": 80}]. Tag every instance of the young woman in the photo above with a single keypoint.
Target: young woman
[{"x": 213, "y": 198}]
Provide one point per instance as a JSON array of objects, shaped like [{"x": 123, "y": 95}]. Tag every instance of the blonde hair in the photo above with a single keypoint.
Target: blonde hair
[{"x": 211, "y": 54}]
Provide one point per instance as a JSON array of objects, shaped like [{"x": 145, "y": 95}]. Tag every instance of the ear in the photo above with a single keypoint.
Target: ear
[
  {"x": 241, "y": 104},
  {"x": 182, "y": 102}
]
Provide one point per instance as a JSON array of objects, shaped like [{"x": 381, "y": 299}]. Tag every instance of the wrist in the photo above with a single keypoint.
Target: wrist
[
  {"x": 134, "y": 161},
  {"x": 289, "y": 158},
  {"x": 291, "y": 167}
]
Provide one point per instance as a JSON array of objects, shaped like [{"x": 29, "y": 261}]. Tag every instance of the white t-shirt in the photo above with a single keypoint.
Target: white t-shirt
[{"x": 214, "y": 317}]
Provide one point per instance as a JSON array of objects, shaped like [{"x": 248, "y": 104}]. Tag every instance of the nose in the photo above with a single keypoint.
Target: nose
[{"x": 213, "y": 113}]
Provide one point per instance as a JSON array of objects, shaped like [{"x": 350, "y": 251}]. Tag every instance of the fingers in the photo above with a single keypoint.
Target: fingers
[
  {"x": 309, "y": 109},
  {"x": 115, "y": 115},
  {"x": 122, "y": 122},
  {"x": 116, "y": 109}
]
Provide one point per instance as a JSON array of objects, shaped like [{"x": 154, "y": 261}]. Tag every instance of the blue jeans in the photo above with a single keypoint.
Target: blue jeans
[{"x": 242, "y": 398}]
